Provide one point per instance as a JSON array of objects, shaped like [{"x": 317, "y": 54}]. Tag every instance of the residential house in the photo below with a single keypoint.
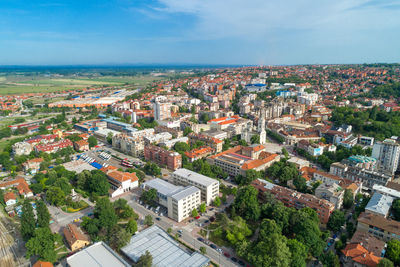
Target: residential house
[{"x": 76, "y": 239}]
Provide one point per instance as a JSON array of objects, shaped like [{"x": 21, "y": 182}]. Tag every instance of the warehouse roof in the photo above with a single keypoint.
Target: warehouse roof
[{"x": 164, "y": 249}]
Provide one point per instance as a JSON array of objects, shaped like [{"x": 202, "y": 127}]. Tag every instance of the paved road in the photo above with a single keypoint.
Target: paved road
[
  {"x": 189, "y": 237},
  {"x": 61, "y": 218}
]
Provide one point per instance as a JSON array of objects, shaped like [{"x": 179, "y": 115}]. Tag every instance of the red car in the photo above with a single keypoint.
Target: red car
[
  {"x": 197, "y": 217},
  {"x": 226, "y": 254}
]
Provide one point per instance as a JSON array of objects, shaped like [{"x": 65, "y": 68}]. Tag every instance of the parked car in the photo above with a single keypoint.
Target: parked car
[
  {"x": 241, "y": 263},
  {"x": 219, "y": 250},
  {"x": 200, "y": 239},
  {"x": 158, "y": 219},
  {"x": 226, "y": 254},
  {"x": 206, "y": 221},
  {"x": 234, "y": 259},
  {"x": 197, "y": 217},
  {"x": 213, "y": 246},
  {"x": 180, "y": 231}
]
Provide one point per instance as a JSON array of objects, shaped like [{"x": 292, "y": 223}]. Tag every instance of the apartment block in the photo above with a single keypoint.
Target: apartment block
[
  {"x": 182, "y": 203},
  {"x": 209, "y": 187},
  {"x": 292, "y": 198},
  {"x": 128, "y": 144},
  {"x": 161, "y": 156},
  {"x": 387, "y": 154},
  {"x": 382, "y": 228}
]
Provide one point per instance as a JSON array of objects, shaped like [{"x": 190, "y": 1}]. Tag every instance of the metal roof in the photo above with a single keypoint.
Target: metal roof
[
  {"x": 97, "y": 255},
  {"x": 379, "y": 204},
  {"x": 195, "y": 177},
  {"x": 165, "y": 250},
  {"x": 163, "y": 187},
  {"x": 187, "y": 191}
]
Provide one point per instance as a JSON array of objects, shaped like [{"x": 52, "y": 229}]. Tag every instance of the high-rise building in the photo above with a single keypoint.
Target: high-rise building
[
  {"x": 261, "y": 127},
  {"x": 387, "y": 154},
  {"x": 162, "y": 111}
]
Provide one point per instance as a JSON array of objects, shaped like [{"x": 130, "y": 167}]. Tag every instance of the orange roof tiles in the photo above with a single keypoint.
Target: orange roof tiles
[
  {"x": 361, "y": 255},
  {"x": 72, "y": 234},
  {"x": 8, "y": 196},
  {"x": 43, "y": 264},
  {"x": 122, "y": 176}
]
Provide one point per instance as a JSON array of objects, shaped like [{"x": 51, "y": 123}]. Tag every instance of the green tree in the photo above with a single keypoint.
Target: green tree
[
  {"x": 105, "y": 213},
  {"x": 43, "y": 215},
  {"x": 396, "y": 209},
  {"x": 131, "y": 227},
  {"x": 146, "y": 260},
  {"x": 255, "y": 139},
  {"x": 148, "y": 220},
  {"x": 187, "y": 131},
  {"x": 246, "y": 203},
  {"x": 217, "y": 201},
  {"x": 348, "y": 199},
  {"x": 195, "y": 213},
  {"x": 118, "y": 237},
  {"x": 42, "y": 245},
  {"x": 299, "y": 253},
  {"x": 92, "y": 141},
  {"x": 181, "y": 147},
  {"x": 203, "y": 250},
  {"x": 336, "y": 220},
  {"x": 98, "y": 183},
  {"x": 27, "y": 221},
  {"x": 149, "y": 196},
  {"x": 272, "y": 251},
  {"x": 285, "y": 152},
  {"x": 64, "y": 184},
  {"x": 385, "y": 263},
  {"x": 55, "y": 196},
  {"x": 300, "y": 183},
  {"x": 203, "y": 207},
  {"x": 330, "y": 259},
  {"x": 393, "y": 251},
  {"x": 109, "y": 138}
]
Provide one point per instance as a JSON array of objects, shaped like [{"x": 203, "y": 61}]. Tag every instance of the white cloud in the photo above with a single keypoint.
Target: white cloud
[{"x": 256, "y": 18}]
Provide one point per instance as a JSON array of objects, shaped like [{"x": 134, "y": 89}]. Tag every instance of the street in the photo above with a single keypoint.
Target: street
[{"x": 189, "y": 231}]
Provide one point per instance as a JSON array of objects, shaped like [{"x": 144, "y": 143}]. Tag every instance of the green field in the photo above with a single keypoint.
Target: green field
[{"x": 39, "y": 84}]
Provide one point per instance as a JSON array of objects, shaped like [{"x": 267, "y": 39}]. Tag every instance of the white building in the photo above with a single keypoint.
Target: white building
[
  {"x": 162, "y": 111},
  {"x": 209, "y": 187},
  {"x": 387, "y": 154},
  {"x": 158, "y": 138},
  {"x": 182, "y": 203}
]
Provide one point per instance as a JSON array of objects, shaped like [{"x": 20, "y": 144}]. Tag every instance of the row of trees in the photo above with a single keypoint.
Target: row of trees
[
  {"x": 40, "y": 241},
  {"x": 286, "y": 235}
]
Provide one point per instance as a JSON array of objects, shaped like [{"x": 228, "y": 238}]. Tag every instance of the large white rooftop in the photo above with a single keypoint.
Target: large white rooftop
[
  {"x": 195, "y": 177},
  {"x": 165, "y": 250},
  {"x": 97, "y": 255},
  {"x": 187, "y": 191},
  {"x": 163, "y": 187}
]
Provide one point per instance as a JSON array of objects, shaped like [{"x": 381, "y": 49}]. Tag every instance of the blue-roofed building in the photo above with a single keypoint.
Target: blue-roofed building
[
  {"x": 256, "y": 87},
  {"x": 164, "y": 249},
  {"x": 119, "y": 126},
  {"x": 96, "y": 165}
]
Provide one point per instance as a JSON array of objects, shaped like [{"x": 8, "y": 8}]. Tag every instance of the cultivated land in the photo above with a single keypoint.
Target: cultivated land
[{"x": 14, "y": 84}]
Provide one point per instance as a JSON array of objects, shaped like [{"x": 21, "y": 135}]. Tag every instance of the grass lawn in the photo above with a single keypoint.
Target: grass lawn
[{"x": 18, "y": 85}]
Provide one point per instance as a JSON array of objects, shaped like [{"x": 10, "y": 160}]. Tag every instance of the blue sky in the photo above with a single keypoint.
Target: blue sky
[{"x": 199, "y": 31}]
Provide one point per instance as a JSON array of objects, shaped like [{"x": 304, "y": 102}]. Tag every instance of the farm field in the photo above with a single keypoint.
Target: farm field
[{"x": 39, "y": 84}]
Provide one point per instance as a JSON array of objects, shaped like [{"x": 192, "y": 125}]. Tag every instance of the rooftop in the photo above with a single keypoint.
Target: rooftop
[
  {"x": 379, "y": 204},
  {"x": 162, "y": 187},
  {"x": 165, "y": 251},
  {"x": 185, "y": 192},
  {"x": 97, "y": 255},
  {"x": 380, "y": 222},
  {"x": 194, "y": 176}
]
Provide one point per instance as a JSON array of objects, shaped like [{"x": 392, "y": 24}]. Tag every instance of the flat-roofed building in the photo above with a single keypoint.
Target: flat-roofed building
[
  {"x": 292, "y": 198},
  {"x": 165, "y": 250},
  {"x": 97, "y": 255},
  {"x": 172, "y": 160},
  {"x": 386, "y": 190},
  {"x": 182, "y": 203},
  {"x": 209, "y": 187},
  {"x": 164, "y": 189},
  {"x": 379, "y": 204}
]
